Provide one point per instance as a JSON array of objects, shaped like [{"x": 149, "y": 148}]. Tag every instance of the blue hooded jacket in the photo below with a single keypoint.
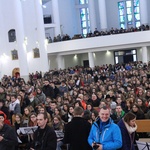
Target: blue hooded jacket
[{"x": 108, "y": 134}]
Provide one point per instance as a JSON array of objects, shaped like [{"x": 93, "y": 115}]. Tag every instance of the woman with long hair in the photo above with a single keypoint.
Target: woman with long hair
[
  {"x": 137, "y": 111},
  {"x": 128, "y": 128},
  {"x": 58, "y": 126}
]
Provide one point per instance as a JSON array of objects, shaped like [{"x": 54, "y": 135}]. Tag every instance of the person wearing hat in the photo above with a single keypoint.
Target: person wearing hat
[{"x": 8, "y": 137}]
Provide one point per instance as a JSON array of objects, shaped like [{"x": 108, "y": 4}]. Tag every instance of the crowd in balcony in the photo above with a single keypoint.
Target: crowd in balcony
[{"x": 112, "y": 31}]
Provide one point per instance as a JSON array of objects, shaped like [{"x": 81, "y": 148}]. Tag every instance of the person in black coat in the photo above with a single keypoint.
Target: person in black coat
[
  {"x": 77, "y": 131},
  {"x": 56, "y": 90},
  {"x": 8, "y": 137},
  {"x": 44, "y": 137},
  {"x": 47, "y": 89}
]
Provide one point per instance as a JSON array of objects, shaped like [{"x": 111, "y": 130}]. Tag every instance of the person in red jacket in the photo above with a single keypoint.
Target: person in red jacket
[{"x": 6, "y": 121}]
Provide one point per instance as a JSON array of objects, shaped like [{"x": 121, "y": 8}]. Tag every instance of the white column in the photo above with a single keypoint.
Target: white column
[
  {"x": 56, "y": 17},
  {"x": 41, "y": 35},
  {"x": 144, "y": 55},
  {"x": 3, "y": 33},
  {"x": 102, "y": 14},
  {"x": 21, "y": 47},
  {"x": 144, "y": 11},
  {"x": 60, "y": 62},
  {"x": 91, "y": 60},
  {"x": 92, "y": 15}
]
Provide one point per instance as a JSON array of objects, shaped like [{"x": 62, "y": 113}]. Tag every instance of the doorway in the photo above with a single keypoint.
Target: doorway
[
  {"x": 86, "y": 63},
  {"x": 16, "y": 72}
]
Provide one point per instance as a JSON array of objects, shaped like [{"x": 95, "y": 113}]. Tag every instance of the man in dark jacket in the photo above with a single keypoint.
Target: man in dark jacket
[
  {"x": 47, "y": 89},
  {"x": 8, "y": 137},
  {"x": 44, "y": 137},
  {"x": 77, "y": 131}
]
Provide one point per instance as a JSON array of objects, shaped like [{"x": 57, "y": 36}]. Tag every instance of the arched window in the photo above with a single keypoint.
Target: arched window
[
  {"x": 129, "y": 13},
  {"x": 12, "y": 35}
]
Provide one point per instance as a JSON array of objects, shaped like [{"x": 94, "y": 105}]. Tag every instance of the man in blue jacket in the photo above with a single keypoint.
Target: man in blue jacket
[{"x": 104, "y": 134}]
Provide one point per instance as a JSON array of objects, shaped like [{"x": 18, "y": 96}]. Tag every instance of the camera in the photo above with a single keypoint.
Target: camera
[{"x": 95, "y": 146}]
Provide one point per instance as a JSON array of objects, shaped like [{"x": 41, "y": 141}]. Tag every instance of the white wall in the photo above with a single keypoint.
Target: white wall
[
  {"x": 48, "y": 9},
  {"x": 148, "y": 4},
  {"x": 68, "y": 17},
  {"x": 112, "y": 13}
]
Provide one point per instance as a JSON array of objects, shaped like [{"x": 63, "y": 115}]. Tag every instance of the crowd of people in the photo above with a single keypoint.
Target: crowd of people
[
  {"x": 64, "y": 104},
  {"x": 95, "y": 33}
]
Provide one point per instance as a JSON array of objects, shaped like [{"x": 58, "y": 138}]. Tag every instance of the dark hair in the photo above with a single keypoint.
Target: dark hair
[
  {"x": 128, "y": 117},
  {"x": 87, "y": 115},
  {"x": 13, "y": 95},
  {"x": 44, "y": 114}
]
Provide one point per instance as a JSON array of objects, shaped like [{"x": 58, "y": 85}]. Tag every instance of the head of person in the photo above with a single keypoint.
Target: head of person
[
  {"x": 22, "y": 93},
  {"x": 18, "y": 117},
  {"x": 53, "y": 105},
  {"x": 118, "y": 109},
  {"x": 38, "y": 90},
  {"x": 130, "y": 118},
  {"x": 104, "y": 114},
  {"x": 13, "y": 97},
  {"x": 32, "y": 119},
  {"x": 94, "y": 115},
  {"x": 56, "y": 119},
  {"x": 26, "y": 111},
  {"x": 135, "y": 108},
  {"x": 89, "y": 106},
  {"x": 42, "y": 120},
  {"x": 71, "y": 109},
  {"x": 2, "y": 118},
  {"x": 1, "y": 103},
  {"x": 46, "y": 82},
  {"x": 78, "y": 111}
]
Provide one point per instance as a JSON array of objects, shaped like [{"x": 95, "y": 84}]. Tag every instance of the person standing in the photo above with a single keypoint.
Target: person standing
[
  {"x": 47, "y": 89},
  {"x": 44, "y": 137},
  {"x": 8, "y": 137},
  {"x": 104, "y": 133},
  {"x": 128, "y": 127},
  {"x": 77, "y": 131}
]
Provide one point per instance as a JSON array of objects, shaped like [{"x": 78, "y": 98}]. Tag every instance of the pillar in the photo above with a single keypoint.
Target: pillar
[
  {"x": 92, "y": 15},
  {"x": 20, "y": 36},
  {"x": 60, "y": 62},
  {"x": 56, "y": 17},
  {"x": 91, "y": 60},
  {"x": 144, "y": 11},
  {"x": 144, "y": 55},
  {"x": 102, "y": 14},
  {"x": 3, "y": 33},
  {"x": 41, "y": 36}
]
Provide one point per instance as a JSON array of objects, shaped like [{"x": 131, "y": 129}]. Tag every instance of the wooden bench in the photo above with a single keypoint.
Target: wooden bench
[{"x": 143, "y": 125}]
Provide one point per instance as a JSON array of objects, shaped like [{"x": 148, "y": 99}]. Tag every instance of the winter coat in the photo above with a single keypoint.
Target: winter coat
[
  {"x": 45, "y": 139},
  {"x": 10, "y": 138},
  {"x": 108, "y": 135},
  {"x": 127, "y": 139},
  {"x": 76, "y": 134}
]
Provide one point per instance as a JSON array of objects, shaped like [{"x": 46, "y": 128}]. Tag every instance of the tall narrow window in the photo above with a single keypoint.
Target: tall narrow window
[
  {"x": 121, "y": 6},
  {"x": 84, "y": 17},
  {"x": 129, "y": 13},
  {"x": 137, "y": 13}
]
